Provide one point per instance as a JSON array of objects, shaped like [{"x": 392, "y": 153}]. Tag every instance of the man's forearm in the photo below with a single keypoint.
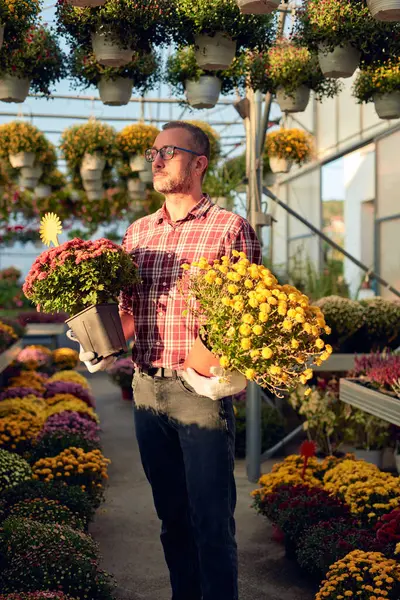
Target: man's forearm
[{"x": 128, "y": 325}]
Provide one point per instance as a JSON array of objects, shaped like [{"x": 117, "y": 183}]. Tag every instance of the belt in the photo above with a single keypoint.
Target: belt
[{"x": 159, "y": 372}]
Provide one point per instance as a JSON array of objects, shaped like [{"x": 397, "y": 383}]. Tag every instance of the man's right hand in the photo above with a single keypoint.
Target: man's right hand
[{"x": 92, "y": 364}]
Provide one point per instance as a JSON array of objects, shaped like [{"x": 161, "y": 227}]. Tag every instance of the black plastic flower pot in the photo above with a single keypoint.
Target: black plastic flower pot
[{"x": 99, "y": 330}]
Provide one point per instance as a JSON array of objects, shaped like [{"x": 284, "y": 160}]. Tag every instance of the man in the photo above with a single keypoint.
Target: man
[{"x": 184, "y": 422}]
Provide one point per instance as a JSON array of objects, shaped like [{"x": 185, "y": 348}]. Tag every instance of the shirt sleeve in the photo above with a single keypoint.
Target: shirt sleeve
[
  {"x": 125, "y": 301},
  {"x": 244, "y": 240}
]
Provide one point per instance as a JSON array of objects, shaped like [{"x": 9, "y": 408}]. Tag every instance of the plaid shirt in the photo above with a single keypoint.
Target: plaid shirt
[{"x": 163, "y": 336}]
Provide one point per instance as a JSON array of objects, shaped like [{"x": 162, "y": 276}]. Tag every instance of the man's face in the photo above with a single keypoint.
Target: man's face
[{"x": 174, "y": 176}]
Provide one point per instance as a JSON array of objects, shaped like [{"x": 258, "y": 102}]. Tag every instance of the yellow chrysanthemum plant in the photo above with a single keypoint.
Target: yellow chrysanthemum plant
[
  {"x": 133, "y": 141},
  {"x": 268, "y": 332},
  {"x": 292, "y": 144}
]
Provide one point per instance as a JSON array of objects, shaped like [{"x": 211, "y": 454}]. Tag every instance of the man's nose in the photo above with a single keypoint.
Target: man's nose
[{"x": 158, "y": 161}]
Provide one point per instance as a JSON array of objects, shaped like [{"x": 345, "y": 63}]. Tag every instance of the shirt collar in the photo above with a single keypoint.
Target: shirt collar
[{"x": 196, "y": 212}]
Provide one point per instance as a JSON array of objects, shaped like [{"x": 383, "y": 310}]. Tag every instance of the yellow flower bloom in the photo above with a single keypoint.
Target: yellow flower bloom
[
  {"x": 257, "y": 330},
  {"x": 245, "y": 329},
  {"x": 245, "y": 344},
  {"x": 267, "y": 352},
  {"x": 224, "y": 361}
]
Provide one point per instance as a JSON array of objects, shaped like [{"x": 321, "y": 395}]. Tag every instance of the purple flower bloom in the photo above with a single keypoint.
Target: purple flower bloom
[
  {"x": 19, "y": 392},
  {"x": 71, "y": 422},
  {"x": 67, "y": 387}
]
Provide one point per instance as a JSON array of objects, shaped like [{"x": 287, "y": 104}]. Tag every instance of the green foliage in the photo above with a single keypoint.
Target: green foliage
[
  {"x": 381, "y": 328},
  {"x": 55, "y": 442},
  {"x": 144, "y": 70},
  {"x": 137, "y": 25},
  {"x": 345, "y": 317},
  {"x": 39, "y": 556},
  {"x": 272, "y": 428},
  {"x": 204, "y": 17},
  {"x": 46, "y": 511},
  {"x": 364, "y": 431},
  {"x": 13, "y": 470},
  {"x": 11, "y": 295},
  {"x": 18, "y": 16},
  {"x": 70, "y": 496},
  {"x": 377, "y": 79},
  {"x": 316, "y": 284},
  {"x": 182, "y": 67},
  {"x": 38, "y": 57}
]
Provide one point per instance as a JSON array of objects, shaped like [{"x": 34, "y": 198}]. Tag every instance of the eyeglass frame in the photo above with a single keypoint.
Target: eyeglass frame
[{"x": 173, "y": 152}]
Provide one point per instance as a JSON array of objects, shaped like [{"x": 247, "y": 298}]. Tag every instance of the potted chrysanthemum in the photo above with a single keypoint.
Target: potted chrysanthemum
[
  {"x": 118, "y": 28},
  {"x": 90, "y": 151},
  {"x": 20, "y": 143},
  {"x": 115, "y": 85},
  {"x": 84, "y": 279},
  {"x": 132, "y": 143},
  {"x": 380, "y": 83},
  {"x": 201, "y": 88},
  {"x": 218, "y": 30},
  {"x": 294, "y": 72},
  {"x": 287, "y": 146},
  {"x": 248, "y": 322},
  {"x": 34, "y": 63}
]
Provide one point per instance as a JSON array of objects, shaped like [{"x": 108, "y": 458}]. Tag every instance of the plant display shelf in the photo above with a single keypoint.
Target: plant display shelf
[
  {"x": 7, "y": 357},
  {"x": 44, "y": 331},
  {"x": 371, "y": 401}
]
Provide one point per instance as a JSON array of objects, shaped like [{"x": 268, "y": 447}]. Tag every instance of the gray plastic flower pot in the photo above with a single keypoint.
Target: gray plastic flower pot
[{"x": 99, "y": 330}]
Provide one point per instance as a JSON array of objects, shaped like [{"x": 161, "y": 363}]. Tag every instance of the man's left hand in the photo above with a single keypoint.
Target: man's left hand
[{"x": 215, "y": 387}]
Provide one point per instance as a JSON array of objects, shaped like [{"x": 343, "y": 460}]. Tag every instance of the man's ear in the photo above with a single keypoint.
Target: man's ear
[{"x": 201, "y": 164}]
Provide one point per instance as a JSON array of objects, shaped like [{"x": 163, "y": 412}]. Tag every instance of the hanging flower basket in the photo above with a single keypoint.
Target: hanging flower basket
[
  {"x": 93, "y": 186},
  {"x": 136, "y": 188},
  {"x": 93, "y": 162},
  {"x": 42, "y": 191},
  {"x": 91, "y": 174},
  {"x": 203, "y": 93},
  {"x": 280, "y": 165},
  {"x": 138, "y": 163},
  {"x": 214, "y": 53},
  {"x": 146, "y": 176},
  {"x": 32, "y": 172},
  {"x": 86, "y": 3},
  {"x": 28, "y": 182},
  {"x": 108, "y": 52},
  {"x": 385, "y": 10},
  {"x": 341, "y": 62},
  {"x": 22, "y": 159},
  {"x": 115, "y": 92},
  {"x": 387, "y": 106},
  {"x": 293, "y": 103},
  {"x": 14, "y": 89},
  {"x": 257, "y": 7}
]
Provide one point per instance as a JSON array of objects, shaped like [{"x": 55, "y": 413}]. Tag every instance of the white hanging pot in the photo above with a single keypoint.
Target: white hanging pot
[
  {"x": 2, "y": 28},
  {"x": 147, "y": 175},
  {"x": 91, "y": 174},
  {"x": 28, "y": 172},
  {"x": 384, "y": 10},
  {"x": 14, "y": 89},
  {"x": 93, "y": 186},
  {"x": 28, "y": 182},
  {"x": 22, "y": 159},
  {"x": 115, "y": 92},
  {"x": 95, "y": 195},
  {"x": 387, "y": 106},
  {"x": 341, "y": 62},
  {"x": 280, "y": 165},
  {"x": 135, "y": 186},
  {"x": 43, "y": 191},
  {"x": 86, "y": 3},
  {"x": 372, "y": 456},
  {"x": 214, "y": 53},
  {"x": 257, "y": 7},
  {"x": 203, "y": 93},
  {"x": 137, "y": 162},
  {"x": 108, "y": 51},
  {"x": 93, "y": 162},
  {"x": 293, "y": 103}
]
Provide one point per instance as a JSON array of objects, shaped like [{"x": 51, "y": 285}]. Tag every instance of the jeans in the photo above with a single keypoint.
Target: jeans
[{"x": 186, "y": 443}]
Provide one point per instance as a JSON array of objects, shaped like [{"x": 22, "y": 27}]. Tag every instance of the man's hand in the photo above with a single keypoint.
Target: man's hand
[
  {"x": 92, "y": 364},
  {"x": 215, "y": 387}
]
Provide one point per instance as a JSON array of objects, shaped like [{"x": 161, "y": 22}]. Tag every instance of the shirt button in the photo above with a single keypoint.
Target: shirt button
[
  {"x": 164, "y": 283},
  {"x": 157, "y": 343}
]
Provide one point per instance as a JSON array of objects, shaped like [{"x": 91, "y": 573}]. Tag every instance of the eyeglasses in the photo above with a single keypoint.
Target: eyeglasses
[{"x": 166, "y": 153}]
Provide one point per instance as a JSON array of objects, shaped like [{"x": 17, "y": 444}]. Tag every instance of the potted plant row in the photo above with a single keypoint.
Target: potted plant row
[{"x": 115, "y": 84}]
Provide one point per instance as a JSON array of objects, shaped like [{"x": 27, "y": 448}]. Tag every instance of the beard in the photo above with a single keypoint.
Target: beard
[{"x": 169, "y": 184}]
